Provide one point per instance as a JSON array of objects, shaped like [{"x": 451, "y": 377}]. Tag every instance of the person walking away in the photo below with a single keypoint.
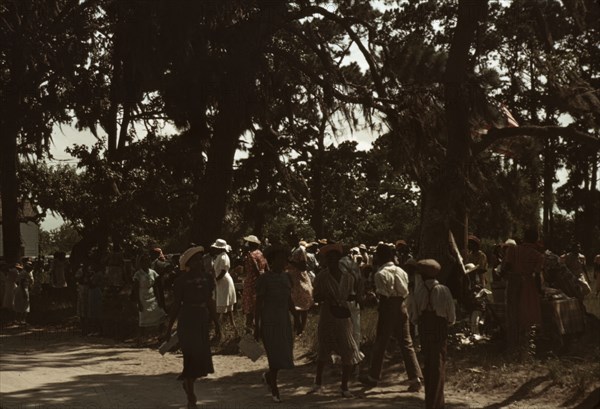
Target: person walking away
[
  {"x": 391, "y": 287},
  {"x": 522, "y": 266},
  {"x": 255, "y": 265},
  {"x": 192, "y": 308},
  {"x": 225, "y": 290},
  {"x": 273, "y": 325},
  {"x": 348, "y": 265},
  {"x": 145, "y": 292},
  {"x": 302, "y": 287},
  {"x": 433, "y": 310},
  {"x": 334, "y": 333},
  {"x": 22, "y": 304}
]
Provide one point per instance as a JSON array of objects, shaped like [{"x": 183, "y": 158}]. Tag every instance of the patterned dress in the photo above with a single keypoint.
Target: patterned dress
[
  {"x": 151, "y": 314},
  {"x": 255, "y": 264},
  {"x": 302, "y": 288},
  {"x": 335, "y": 334}
]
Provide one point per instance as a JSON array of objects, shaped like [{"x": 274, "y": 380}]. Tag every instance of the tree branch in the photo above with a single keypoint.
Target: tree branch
[{"x": 567, "y": 132}]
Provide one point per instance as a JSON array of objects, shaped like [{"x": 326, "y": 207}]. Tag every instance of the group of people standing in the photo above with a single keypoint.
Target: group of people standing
[{"x": 278, "y": 290}]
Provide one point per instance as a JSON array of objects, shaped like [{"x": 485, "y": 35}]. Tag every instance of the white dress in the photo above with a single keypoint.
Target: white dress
[
  {"x": 225, "y": 291},
  {"x": 151, "y": 314}
]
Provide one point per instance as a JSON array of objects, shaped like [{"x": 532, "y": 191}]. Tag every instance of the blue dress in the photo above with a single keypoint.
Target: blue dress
[{"x": 276, "y": 326}]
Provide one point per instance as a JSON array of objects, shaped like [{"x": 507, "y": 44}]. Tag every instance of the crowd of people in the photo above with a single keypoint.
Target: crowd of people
[{"x": 276, "y": 286}]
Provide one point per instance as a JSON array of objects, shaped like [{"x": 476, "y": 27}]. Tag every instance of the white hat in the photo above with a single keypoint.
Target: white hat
[
  {"x": 362, "y": 247},
  {"x": 252, "y": 239},
  {"x": 219, "y": 244},
  {"x": 470, "y": 267},
  {"x": 188, "y": 254},
  {"x": 510, "y": 242}
]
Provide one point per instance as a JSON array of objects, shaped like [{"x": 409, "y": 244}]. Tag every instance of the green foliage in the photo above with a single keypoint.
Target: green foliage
[{"x": 62, "y": 238}]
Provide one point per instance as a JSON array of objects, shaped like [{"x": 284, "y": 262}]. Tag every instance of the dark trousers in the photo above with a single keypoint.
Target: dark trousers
[
  {"x": 393, "y": 321},
  {"x": 433, "y": 333}
]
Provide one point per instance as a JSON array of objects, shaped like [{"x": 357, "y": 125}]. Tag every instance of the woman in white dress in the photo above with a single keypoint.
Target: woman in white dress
[
  {"x": 225, "y": 292},
  {"x": 146, "y": 284}
]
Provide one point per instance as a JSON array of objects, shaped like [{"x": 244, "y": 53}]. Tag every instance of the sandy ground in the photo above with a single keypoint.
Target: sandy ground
[{"x": 40, "y": 369}]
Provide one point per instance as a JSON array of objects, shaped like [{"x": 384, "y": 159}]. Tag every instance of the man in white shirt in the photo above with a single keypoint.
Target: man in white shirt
[
  {"x": 433, "y": 310},
  {"x": 391, "y": 286}
]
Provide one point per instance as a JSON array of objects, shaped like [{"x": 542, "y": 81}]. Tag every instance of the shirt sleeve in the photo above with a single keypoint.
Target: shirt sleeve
[{"x": 449, "y": 306}]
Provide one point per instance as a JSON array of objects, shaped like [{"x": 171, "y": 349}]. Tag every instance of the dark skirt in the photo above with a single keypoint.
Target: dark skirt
[
  {"x": 279, "y": 344},
  {"x": 193, "y": 333}
]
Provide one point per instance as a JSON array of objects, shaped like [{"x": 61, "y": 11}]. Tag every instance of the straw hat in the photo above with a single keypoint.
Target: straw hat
[
  {"x": 188, "y": 254},
  {"x": 219, "y": 244},
  {"x": 469, "y": 267},
  {"x": 252, "y": 239}
]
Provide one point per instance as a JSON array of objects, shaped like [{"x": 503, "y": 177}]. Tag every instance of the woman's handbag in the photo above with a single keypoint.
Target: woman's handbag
[{"x": 251, "y": 348}]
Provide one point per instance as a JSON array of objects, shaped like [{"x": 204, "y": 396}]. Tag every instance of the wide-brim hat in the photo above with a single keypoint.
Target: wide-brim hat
[
  {"x": 219, "y": 244},
  {"x": 469, "y": 267},
  {"x": 252, "y": 239},
  {"x": 362, "y": 247},
  {"x": 428, "y": 267},
  {"x": 474, "y": 238},
  {"x": 188, "y": 254}
]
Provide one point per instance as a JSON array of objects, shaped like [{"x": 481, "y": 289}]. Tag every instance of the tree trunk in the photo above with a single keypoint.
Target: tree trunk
[
  {"x": 9, "y": 159},
  {"x": 11, "y": 233},
  {"x": 446, "y": 197},
  {"x": 214, "y": 189},
  {"x": 590, "y": 209},
  {"x": 549, "y": 167}
]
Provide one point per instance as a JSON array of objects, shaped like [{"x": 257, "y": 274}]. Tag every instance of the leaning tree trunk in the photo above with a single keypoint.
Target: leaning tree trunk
[
  {"x": 210, "y": 211},
  {"x": 445, "y": 199}
]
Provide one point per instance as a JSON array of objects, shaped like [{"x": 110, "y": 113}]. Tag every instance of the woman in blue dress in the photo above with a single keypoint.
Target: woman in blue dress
[{"x": 273, "y": 325}]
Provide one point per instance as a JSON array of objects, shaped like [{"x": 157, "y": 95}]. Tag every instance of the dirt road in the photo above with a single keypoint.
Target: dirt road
[{"x": 63, "y": 370}]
